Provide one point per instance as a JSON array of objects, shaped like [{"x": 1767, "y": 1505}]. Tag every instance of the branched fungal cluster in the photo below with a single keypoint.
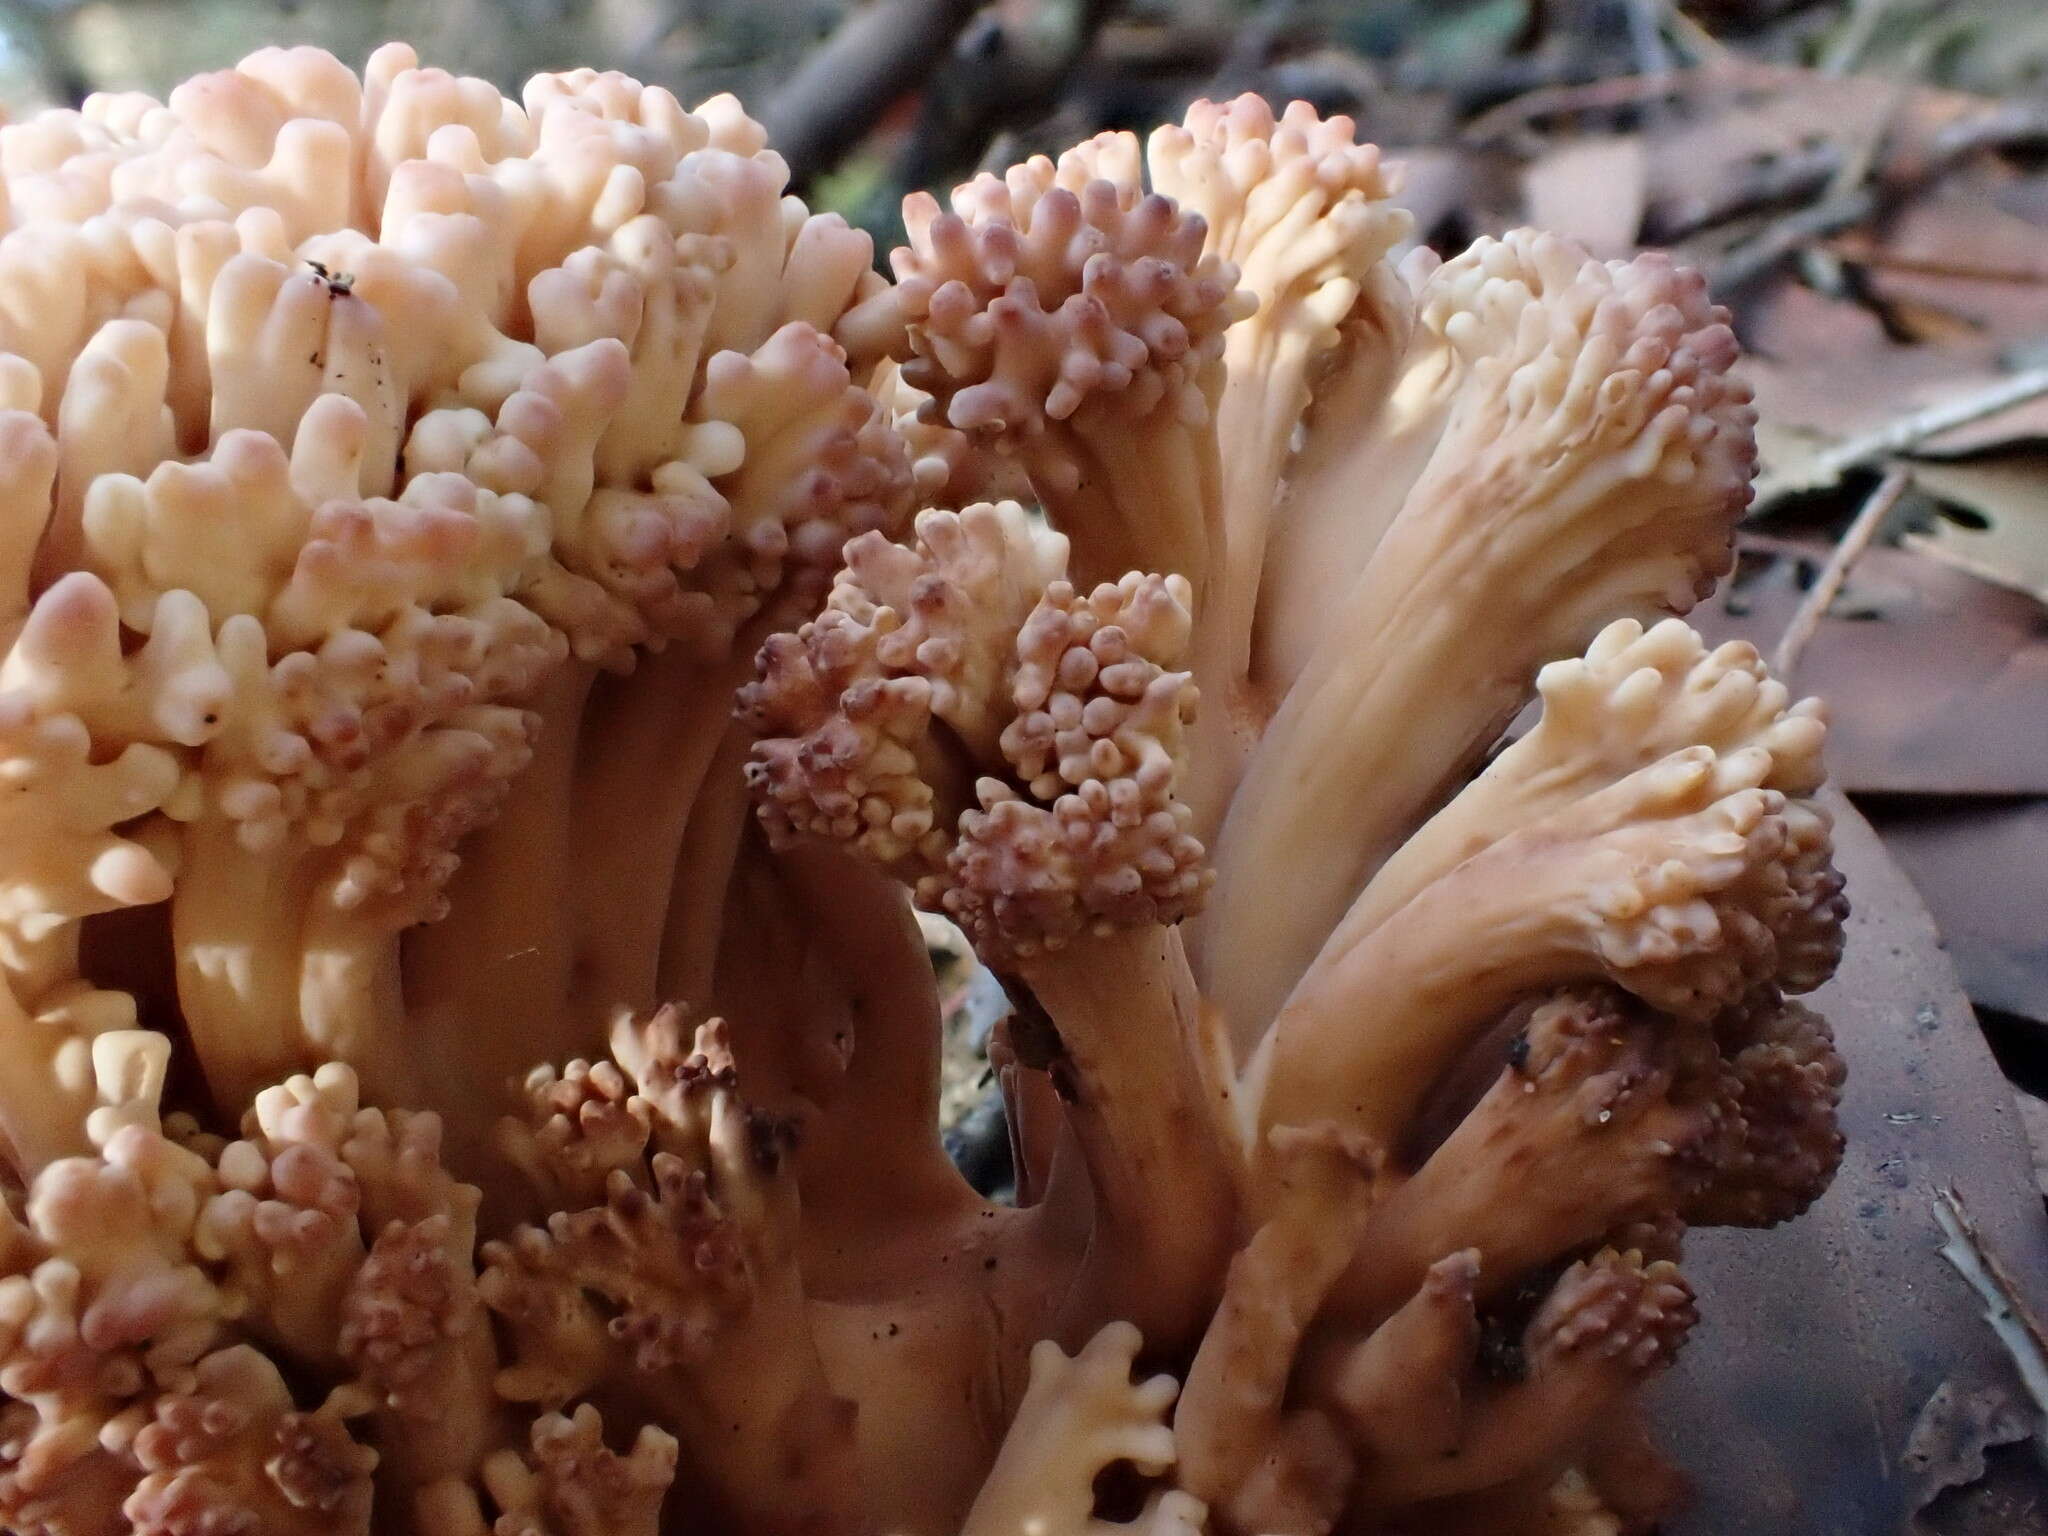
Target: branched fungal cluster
[{"x": 505, "y": 611}]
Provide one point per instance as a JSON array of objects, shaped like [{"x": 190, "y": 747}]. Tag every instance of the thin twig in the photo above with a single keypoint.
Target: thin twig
[
  {"x": 1787, "y": 235},
  {"x": 1861, "y": 251},
  {"x": 1646, "y": 37},
  {"x": 1824, "y": 468},
  {"x": 1704, "y": 47},
  {"x": 1861, "y": 187},
  {"x": 1848, "y": 550},
  {"x": 1861, "y": 160},
  {"x": 1846, "y": 200},
  {"x": 1854, "y": 37},
  {"x": 2009, "y": 125},
  {"x": 2005, "y": 1309},
  {"x": 1811, "y": 168},
  {"x": 1791, "y": 177},
  {"x": 1622, "y": 91},
  {"x": 1823, "y": 271}
]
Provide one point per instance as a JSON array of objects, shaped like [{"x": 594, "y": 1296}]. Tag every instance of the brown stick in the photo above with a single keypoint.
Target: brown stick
[{"x": 840, "y": 92}]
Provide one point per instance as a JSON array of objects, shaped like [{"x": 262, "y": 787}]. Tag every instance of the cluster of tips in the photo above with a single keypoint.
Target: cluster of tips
[{"x": 505, "y": 612}]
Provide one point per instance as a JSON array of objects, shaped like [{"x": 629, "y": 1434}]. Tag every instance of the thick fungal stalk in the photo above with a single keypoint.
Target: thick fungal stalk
[
  {"x": 1073, "y": 856},
  {"x": 1592, "y": 464},
  {"x": 77, "y": 780},
  {"x": 428, "y": 519},
  {"x": 1303, "y": 214},
  {"x": 1063, "y": 315},
  {"x": 1573, "y": 896},
  {"x": 542, "y": 383},
  {"x": 365, "y": 732},
  {"x": 1608, "y": 1323},
  {"x": 1603, "y": 1115},
  {"x": 1260, "y": 1466},
  {"x": 1635, "y": 696}
]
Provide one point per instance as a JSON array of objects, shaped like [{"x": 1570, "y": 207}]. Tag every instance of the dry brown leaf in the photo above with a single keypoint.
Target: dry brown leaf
[
  {"x": 1824, "y": 370},
  {"x": 1982, "y": 866},
  {"x": 1938, "y": 682},
  {"x": 1808, "y": 1372},
  {"x": 1592, "y": 189},
  {"x": 1956, "y": 1427},
  {"x": 1733, "y": 137},
  {"x": 1958, "y": 250},
  {"x": 1956, "y": 279},
  {"x": 2009, "y": 496}
]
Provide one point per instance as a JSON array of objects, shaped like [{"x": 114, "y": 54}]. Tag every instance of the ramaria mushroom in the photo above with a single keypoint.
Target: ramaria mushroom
[{"x": 505, "y": 612}]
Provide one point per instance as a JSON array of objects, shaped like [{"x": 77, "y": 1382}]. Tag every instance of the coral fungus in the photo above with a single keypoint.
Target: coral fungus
[{"x": 502, "y": 626}]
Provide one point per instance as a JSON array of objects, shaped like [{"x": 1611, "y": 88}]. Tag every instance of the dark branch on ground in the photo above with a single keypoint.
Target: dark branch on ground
[{"x": 879, "y": 54}]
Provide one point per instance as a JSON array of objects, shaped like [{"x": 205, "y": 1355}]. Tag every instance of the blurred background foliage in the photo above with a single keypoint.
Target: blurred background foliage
[{"x": 874, "y": 98}]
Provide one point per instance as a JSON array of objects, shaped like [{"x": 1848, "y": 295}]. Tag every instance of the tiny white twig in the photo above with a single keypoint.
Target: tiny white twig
[
  {"x": 2004, "y": 1309},
  {"x": 1827, "y": 466},
  {"x": 1847, "y": 551}
]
